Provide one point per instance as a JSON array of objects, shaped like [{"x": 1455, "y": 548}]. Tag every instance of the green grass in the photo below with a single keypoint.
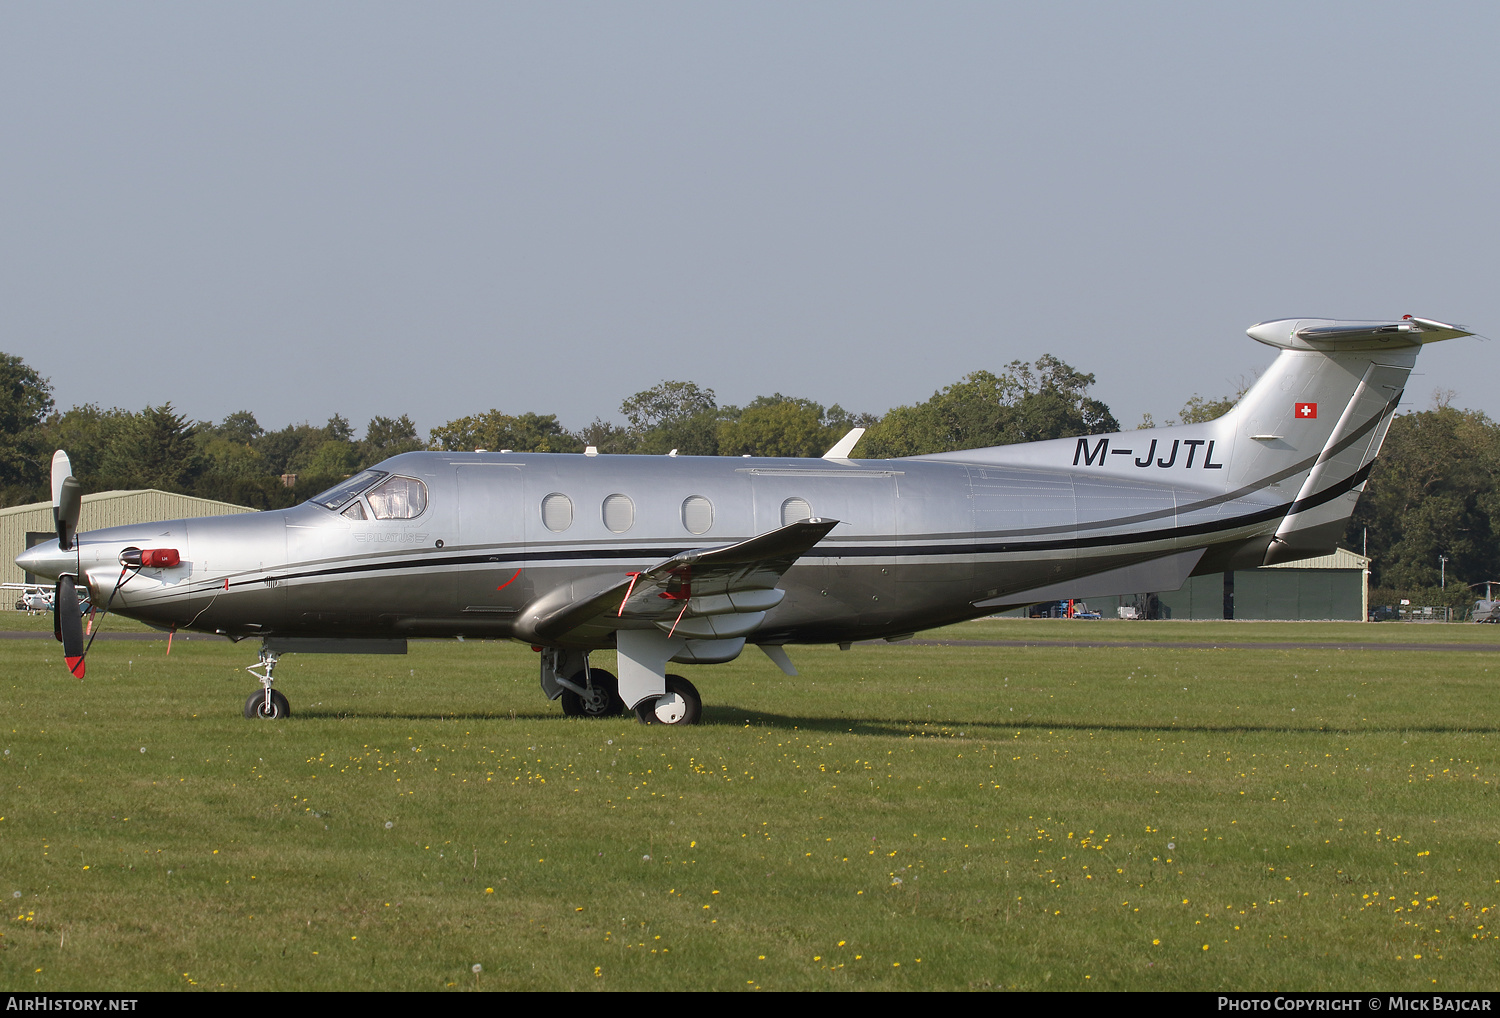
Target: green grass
[
  {"x": 41, "y": 622},
  {"x": 1056, "y": 818},
  {"x": 1186, "y": 631}
]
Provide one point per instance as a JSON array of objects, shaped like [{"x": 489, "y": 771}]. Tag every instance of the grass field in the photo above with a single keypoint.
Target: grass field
[{"x": 900, "y": 817}]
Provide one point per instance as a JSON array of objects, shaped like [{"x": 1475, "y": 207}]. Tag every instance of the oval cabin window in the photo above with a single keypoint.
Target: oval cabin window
[
  {"x": 794, "y": 509},
  {"x": 557, "y": 512},
  {"x": 697, "y": 514},
  {"x": 618, "y": 513}
]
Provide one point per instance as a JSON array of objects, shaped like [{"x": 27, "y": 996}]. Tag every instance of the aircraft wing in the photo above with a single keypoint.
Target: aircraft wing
[{"x": 685, "y": 591}]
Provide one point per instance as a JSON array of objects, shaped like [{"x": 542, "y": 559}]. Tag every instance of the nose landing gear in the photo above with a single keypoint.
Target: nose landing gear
[{"x": 268, "y": 703}]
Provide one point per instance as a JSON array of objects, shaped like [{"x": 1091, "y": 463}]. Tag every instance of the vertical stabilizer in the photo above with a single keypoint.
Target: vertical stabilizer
[{"x": 1294, "y": 452}]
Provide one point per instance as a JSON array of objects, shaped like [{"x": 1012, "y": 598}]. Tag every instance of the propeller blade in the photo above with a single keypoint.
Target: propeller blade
[
  {"x": 67, "y": 499},
  {"x": 67, "y": 623}
]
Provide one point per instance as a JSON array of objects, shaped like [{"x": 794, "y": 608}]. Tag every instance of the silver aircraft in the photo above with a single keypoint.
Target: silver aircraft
[{"x": 687, "y": 559}]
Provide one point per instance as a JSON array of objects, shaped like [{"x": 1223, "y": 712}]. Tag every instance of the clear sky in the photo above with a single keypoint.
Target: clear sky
[{"x": 378, "y": 208}]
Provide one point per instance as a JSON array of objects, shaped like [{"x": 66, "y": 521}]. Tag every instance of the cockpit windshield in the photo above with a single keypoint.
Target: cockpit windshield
[{"x": 337, "y": 496}]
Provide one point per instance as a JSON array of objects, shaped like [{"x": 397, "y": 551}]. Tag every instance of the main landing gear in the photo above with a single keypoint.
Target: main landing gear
[
  {"x": 643, "y": 687},
  {"x": 680, "y": 705},
  {"x": 598, "y": 695},
  {"x": 267, "y": 703}
]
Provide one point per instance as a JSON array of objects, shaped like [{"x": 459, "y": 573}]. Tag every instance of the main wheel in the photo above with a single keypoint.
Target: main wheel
[
  {"x": 604, "y": 701},
  {"x": 255, "y": 707},
  {"x": 680, "y": 705}
]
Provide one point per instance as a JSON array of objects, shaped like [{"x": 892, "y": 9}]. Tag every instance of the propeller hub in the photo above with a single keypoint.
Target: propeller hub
[{"x": 48, "y": 560}]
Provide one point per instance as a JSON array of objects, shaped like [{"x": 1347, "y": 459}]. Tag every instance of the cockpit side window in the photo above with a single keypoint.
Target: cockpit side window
[
  {"x": 338, "y": 496},
  {"x": 356, "y": 511},
  {"x": 398, "y": 498}
]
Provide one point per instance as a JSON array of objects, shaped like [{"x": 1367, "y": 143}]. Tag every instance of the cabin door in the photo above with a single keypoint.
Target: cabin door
[{"x": 491, "y": 545}]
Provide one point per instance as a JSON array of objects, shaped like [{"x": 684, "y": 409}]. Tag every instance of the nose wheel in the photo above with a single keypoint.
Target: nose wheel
[
  {"x": 680, "y": 705},
  {"x": 267, "y": 703}
]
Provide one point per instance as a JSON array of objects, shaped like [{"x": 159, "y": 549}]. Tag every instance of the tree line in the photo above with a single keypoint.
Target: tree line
[{"x": 1435, "y": 491}]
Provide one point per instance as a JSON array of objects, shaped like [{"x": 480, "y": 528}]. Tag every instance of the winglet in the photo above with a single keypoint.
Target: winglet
[{"x": 845, "y": 445}]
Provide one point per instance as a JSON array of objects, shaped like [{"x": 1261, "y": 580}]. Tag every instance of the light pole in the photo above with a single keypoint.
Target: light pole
[{"x": 1443, "y": 559}]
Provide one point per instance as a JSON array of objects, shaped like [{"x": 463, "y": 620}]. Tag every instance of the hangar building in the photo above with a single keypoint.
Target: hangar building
[
  {"x": 1330, "y": 587},
  {"x": 1333, "y": 587},
  {"x": 22, "y": 526}
]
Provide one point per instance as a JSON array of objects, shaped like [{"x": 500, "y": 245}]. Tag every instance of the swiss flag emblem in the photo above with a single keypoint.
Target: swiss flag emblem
[{"x": 1307, "y": 411}]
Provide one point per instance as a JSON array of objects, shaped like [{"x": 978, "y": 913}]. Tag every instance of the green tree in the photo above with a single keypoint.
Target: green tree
[
  {"x": 780, "y": 425},
  {"x": 673, "y": 415},
  {"x": 332, "y": 459},
  {"x": 87, "y": 433},
  {"x": 284, "y": 447},
  {"x": 293, "y": 449},
  {"x": 225, "y": 457},
  {"x": 780, "y": 429},
  {"x": 493, "y": 430},
  {"x": 607, "y": 437},
  {"x": 339, "y": 429},
  {"x": 1434, "y": 491},
  {"x": 1198, "y": 409},
  {"x": 25, "y": 403},
  {"x": 1027, "y": 403},
  {"x": 153, "y": 449},
  {"x": 386, "y": 437},
  {"x": 240, "y": 426}
]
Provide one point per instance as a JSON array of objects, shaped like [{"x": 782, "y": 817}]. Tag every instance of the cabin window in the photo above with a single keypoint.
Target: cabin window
[
  {"x": 356, "y": 511},
  {"x": 795, "y": 509},
  {"x": 557, "y": 512},
  {"x": 618, "y": 513},
  {"x": 398, "y": 498},
  {"x": 697, "y": 514}
]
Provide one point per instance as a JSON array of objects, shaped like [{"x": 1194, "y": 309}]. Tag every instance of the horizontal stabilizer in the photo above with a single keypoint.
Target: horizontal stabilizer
[{"x": 1330, "y": 334}]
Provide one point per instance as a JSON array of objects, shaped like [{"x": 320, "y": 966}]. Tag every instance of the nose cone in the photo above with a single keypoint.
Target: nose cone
[{"x": 48, "y": 560}]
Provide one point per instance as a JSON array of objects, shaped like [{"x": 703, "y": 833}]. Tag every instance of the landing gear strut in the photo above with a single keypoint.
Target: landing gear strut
[{"x": 268, "y": 703}]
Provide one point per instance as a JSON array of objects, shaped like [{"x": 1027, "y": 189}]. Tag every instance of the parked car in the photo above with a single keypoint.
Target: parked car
[{"x": 1384, "y": 613}]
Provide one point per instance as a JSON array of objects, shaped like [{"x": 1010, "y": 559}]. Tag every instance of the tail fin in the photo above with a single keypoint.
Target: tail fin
[
  {"x": 1318, "y": 417},
  {"x": 1304, "y": 435}
]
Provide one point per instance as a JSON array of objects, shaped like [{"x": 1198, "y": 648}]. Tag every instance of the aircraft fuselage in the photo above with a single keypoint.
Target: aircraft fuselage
[{"x": 919, "y": 543}]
